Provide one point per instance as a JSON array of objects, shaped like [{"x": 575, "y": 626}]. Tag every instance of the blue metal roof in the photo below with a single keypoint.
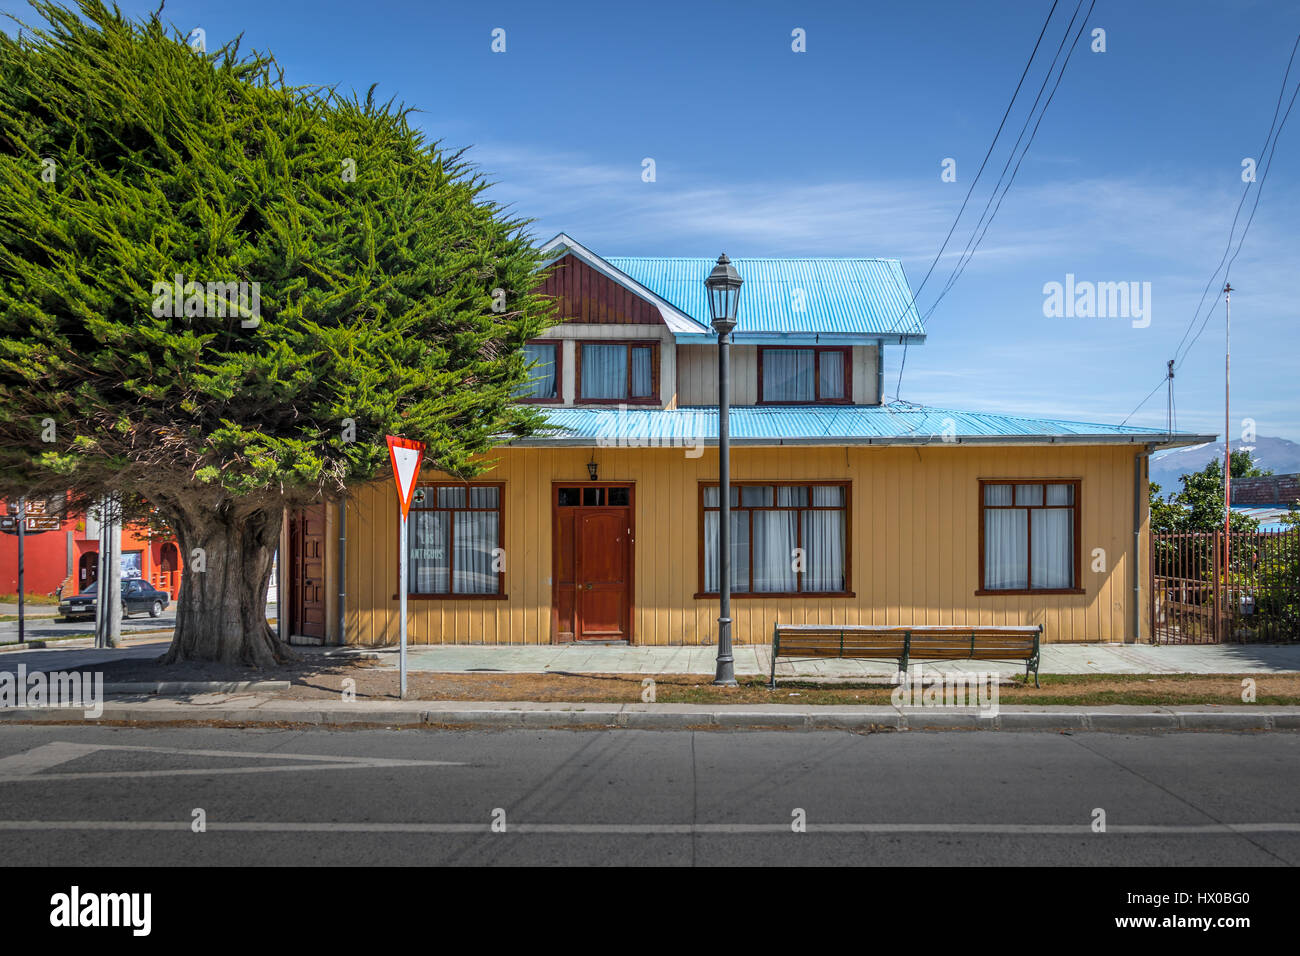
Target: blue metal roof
[
  {"x": 843, "y": 296},
  {"x": 826, "y": 425},
  {"x": 1268, "y": 516}
]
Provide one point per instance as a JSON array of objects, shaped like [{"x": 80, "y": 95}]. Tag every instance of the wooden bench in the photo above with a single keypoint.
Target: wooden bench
[{"x": 906, "y": 644}]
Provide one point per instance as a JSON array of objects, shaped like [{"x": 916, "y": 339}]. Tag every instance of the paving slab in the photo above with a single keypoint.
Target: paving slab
[{"x": 755, "y": 659}]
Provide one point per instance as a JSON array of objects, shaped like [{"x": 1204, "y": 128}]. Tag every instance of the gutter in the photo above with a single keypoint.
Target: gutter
[
  {"x": 1150, "y": 441},
  {"x": 801, "y": 338},
  {"x": 1139, "y": 462}
]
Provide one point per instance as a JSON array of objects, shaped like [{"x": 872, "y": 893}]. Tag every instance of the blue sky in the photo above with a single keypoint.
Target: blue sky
[{"x": 1134, "y": 174}]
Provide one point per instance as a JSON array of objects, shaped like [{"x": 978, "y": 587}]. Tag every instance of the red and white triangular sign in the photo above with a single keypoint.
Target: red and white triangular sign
[{"x": 406, "y": 456}]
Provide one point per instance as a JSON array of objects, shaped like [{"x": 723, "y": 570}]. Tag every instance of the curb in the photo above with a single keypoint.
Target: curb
[
  {"x": 164, "y": 688},
  {"x": 526, "y": 716}
]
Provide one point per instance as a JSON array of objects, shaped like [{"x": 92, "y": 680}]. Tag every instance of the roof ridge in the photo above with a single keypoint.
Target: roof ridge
[{"x": 762, "y": 258}]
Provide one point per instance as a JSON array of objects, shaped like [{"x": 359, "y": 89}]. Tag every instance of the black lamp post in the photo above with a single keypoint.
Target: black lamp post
[{"x": 723, "y": 285}]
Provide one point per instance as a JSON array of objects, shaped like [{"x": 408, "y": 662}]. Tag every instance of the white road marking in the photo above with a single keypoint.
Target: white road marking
[
  {"x": 27, "y": 766},
  {"x": 43, "y": 757},
  {"x": 1068, "y": 829}
]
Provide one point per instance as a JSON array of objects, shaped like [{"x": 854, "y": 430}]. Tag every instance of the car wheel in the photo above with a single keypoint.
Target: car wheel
[{"x": 155, "y": 609}]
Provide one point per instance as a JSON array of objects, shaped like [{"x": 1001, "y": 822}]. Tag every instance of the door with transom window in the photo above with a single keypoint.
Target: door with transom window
[{"x": 593, "y": 538}]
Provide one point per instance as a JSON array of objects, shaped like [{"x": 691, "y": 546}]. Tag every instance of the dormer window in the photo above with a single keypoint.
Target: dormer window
[
  {"x": 797, "y": 375},
  {"x": 618, "y": 372},
  {"x": 543, "y": 383}
]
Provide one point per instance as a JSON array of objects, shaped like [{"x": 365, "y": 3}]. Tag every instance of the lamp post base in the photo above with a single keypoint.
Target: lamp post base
[{"x": 725, "y": 673}]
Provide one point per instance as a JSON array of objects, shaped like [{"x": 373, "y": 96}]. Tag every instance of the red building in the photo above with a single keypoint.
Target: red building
[{"x": 69, "y": 558}]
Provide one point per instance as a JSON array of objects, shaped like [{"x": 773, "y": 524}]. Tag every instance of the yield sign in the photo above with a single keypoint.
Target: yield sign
[{"x": 406, "y": 456}]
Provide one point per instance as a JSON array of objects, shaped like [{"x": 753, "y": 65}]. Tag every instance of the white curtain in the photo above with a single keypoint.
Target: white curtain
[
  {"x": 427, "y": 552},
  {"x": 604, "y": 371},
  {"x": 776, "y": 535},
  {"x": 541, "y": 382},
  {"x": 831, "y": 373},
  {"x": 642, "y": 372},
  {"x": 823, "y": 542},
  {"x": 788, "y": 375},
  {"x": 476, "y": 538},
  {"x": 739, "y": 550},
  {"x": 1053, "y": 537},
  {"x": 429, "y": 555},
  {"x": 1006, "y": 549}
]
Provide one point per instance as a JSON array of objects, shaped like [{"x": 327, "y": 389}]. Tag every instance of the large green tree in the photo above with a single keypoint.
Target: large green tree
[
  {"x": 1198, "y": 506},
  {"x": 390, "y": 296}
]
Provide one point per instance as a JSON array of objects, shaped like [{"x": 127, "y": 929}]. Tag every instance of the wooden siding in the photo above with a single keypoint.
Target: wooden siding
[
  {"x": 584, "y": 295},
  {"x": 915, "y": 534},
  {"x": 697, "y": 375}
]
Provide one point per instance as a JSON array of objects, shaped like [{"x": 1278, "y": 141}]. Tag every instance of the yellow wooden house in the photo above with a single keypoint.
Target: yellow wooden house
[{"x": 845, "y": 508}]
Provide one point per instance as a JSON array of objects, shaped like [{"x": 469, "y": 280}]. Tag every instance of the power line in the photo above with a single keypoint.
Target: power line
[
  {"x": 1258, "y": 193},
  {"x": 969, "y": 252},
  {"x": 1266, "y": 155},
  {"x": 1143, "y": 402},
  {"x": 987, "y": 154},
  {"x": 973, "y": 243},
  {"x": 1274, "y": 133},
  {"x": 1001, "y": 124}
]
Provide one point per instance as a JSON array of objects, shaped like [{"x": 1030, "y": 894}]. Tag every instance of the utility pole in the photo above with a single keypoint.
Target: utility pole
[
  {"x": 22, "y": 520},
  {"x": 1227, "y": 434},
  {"x": 1170, "y": 402},
  {"x": 108, "y": 604}
]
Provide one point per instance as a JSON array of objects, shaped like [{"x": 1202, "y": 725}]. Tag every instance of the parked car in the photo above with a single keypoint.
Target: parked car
[{"x": 136, "y": 596}]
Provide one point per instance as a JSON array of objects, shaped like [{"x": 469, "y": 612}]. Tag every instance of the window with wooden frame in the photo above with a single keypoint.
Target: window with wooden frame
[
  {"x": 613, "y": 371},
  {"x": 787, "y": 538},
  {"x": 1029, "y": 536},
  {"x": 804, "y": 375},
  {"x": 455, "y": 544},
  {"x": 543, "y": 383}
]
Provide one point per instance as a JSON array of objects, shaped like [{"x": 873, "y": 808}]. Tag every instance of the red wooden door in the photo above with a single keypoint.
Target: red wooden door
[
  {"x": 307, "y": 564},
  {"x": 602, "y": 572},
  {"x": 593, "y": 538}
]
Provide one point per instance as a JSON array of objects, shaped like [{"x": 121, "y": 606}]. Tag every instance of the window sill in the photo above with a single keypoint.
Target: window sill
[
  {"x": 713, "y": 595},
  {"x": 982, "y": 592},
  {"x": 454, "y": 597},
  {"x": 617, "y": 401},
  {"x": 809, "y": 402}
]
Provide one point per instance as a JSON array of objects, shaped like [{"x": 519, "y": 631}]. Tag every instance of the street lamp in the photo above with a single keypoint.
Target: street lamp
[{"x": 723, "y": 285}]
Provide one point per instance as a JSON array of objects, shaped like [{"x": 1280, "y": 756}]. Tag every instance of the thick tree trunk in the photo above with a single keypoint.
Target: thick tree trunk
[{"x": 221, "y": 611}]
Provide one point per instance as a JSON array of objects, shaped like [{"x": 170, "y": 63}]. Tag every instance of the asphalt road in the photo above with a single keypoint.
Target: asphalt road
[
  {"x": 45, "y": 626},
  {"x": 82, "y": 795}
]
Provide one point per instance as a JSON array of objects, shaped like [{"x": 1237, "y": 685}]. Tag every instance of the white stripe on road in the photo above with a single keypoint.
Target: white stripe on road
[
  {"x": 42, "y": 758},
  {"x": 1069, "y": 829},
  {"x": 27, "y": 766}
]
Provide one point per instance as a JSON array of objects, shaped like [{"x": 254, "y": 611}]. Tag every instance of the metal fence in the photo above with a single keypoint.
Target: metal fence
[{"x": 1204, "y": 593}]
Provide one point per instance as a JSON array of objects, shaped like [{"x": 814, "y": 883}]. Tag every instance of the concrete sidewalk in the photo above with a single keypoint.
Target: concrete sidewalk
[
  {"x": 751, "y": 659},
  {"x": 755, "y": 659},
  {"x": 253, "y": 710}
]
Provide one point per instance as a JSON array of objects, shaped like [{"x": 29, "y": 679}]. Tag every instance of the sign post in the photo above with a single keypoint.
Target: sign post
[
  {"x": 22, "y": 520},
  {"x": 406, "y": 456}
]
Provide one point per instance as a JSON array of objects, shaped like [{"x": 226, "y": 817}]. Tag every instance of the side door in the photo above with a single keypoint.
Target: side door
[{"x": 134, "y": 597}]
